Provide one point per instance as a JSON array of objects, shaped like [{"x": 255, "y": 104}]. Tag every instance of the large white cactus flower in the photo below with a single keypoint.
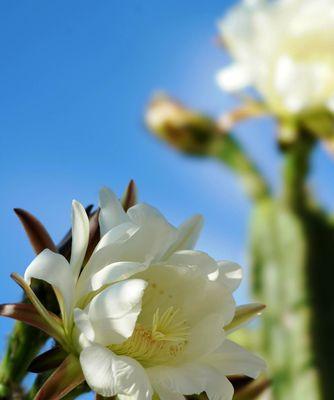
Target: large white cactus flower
[
  {"x": 283, "y": 48},
  {"x": 178, "y": 346},
  {"x": 147, "y": 316}
]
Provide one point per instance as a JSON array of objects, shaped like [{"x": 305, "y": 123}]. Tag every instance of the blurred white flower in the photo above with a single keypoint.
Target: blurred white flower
[
  {"x": 147, "y": 313},
  {"x": 284, "y": 49}
]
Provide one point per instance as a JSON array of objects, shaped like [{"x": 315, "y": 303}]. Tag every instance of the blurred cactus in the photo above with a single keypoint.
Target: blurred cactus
[{"x": 291, "y": 246}]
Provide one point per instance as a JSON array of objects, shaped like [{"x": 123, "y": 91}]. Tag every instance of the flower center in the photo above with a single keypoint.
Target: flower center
[{"x": 159, "y": 344}]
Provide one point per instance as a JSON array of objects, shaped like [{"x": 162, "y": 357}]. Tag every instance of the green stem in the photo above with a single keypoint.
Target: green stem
[
  {"x": 295, "y": 171},
  {"x": 230, "y": 152},
  {"x": 23, "y": 346}
]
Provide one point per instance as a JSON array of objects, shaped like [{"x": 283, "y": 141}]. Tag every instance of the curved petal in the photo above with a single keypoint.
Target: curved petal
[
  {"x": 113, "y": 312},
  {"x": 111, "y": 211},
  {"x": 232, "y": 359},
  {"x": 54, "y": 269},
  {"x": 110, "y": 249},
  {"x": 234, "y": 77},
  {"x": 111, "y": 331},
  {"x": 80, "y": 236},
  {"x": 109, "y": 374},
  {"x": 188, "y": 234},
  {"x": 219, "y": 387},
  {"x": 156, "y": 234},
  {"x": 117, "y": 271},
  {"x": 230, "y": 274},
  {"x": 193, "y": 258},
  {"x": 117, "y": 300},
  {"x": 191, "y": 379},
  {"x": 84, "y": 324},
  {"x": 205, "y": 337},
  {"x": 118, "y": 234},
  {"x": 166, "y": 394}
]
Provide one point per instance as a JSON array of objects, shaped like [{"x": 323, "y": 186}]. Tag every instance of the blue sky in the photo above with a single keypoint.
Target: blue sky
[{"x": 75, "y": 78}]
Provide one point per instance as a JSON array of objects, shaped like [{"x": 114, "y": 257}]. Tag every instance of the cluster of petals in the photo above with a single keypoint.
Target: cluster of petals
[
  {"x": 145, "y": 315},
  {"x": 283, "y": 48}
]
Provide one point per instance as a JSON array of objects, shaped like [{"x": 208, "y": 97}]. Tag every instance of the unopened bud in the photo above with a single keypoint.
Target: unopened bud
[{"x": 188, "y": 131}]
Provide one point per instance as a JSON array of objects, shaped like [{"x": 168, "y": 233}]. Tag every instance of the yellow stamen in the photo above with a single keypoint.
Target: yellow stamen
[{"x": 159, "y": 344}]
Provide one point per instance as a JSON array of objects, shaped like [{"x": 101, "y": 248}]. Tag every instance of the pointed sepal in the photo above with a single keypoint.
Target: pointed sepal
[
  {"x": 243, "y": 315},
  {"x": 37, "y": 233},
  {"x": 27, "y": 313},
  {"x": 130, "y": 197},
  {"x": 50, "y": 359},
  {"x": 65, "y": 378},
  {"x": 54, "y": 322}
]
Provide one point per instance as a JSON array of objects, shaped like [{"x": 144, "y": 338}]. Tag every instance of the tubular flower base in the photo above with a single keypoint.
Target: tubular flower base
[{"x": 145, "y": 317}]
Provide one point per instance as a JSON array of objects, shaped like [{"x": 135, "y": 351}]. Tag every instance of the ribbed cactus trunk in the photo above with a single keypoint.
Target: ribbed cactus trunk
[{"x": 292, "y": 248}]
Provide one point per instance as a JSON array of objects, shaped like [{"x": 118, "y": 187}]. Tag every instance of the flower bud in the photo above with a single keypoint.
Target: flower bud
[{"x": 184, "y": 129}]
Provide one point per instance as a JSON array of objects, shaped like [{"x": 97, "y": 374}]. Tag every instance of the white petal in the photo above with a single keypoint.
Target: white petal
[
  {"x": 110, "y": 249},
  {"x": 111, "y": 211},
  {"x": 117, "y": 271},
  {"x": 109, "y": 331},
  {"x": 156, "y": 234},
  {"x": 54, "y": 269},
  {"x": 113, "y": 312},
  {"x": 117, "y": 234},
  {"x": 230, "y": 274},
  {"x": 80, "y": 236},
  {"x": 205, "y": 337},
  {"x": 188, "y": 234},
  {"x": 191, "y": 379},
  {"x": 219, "y": 387},
  {"x": 192, "y": 258},
  {"x": 109, "y": 374},
  {"x": 84, "y": 324},
  {"x": 118, "y": 299},
  {"x": 234, "y": 78},
  {"x": 166, "y": 394},
  {"x": 232, "y": 359}
]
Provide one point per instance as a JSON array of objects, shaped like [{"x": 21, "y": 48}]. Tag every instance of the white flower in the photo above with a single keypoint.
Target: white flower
[
  {"x": 147, "y": 313},
  {"x": 178, "y": 346},
  {"x": 284, "y": 49}
]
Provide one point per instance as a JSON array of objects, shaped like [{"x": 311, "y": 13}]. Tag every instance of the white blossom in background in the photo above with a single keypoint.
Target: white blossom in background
[
  {"x": 284, "y": 49},
  {"x": 148, "y": 315}
]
